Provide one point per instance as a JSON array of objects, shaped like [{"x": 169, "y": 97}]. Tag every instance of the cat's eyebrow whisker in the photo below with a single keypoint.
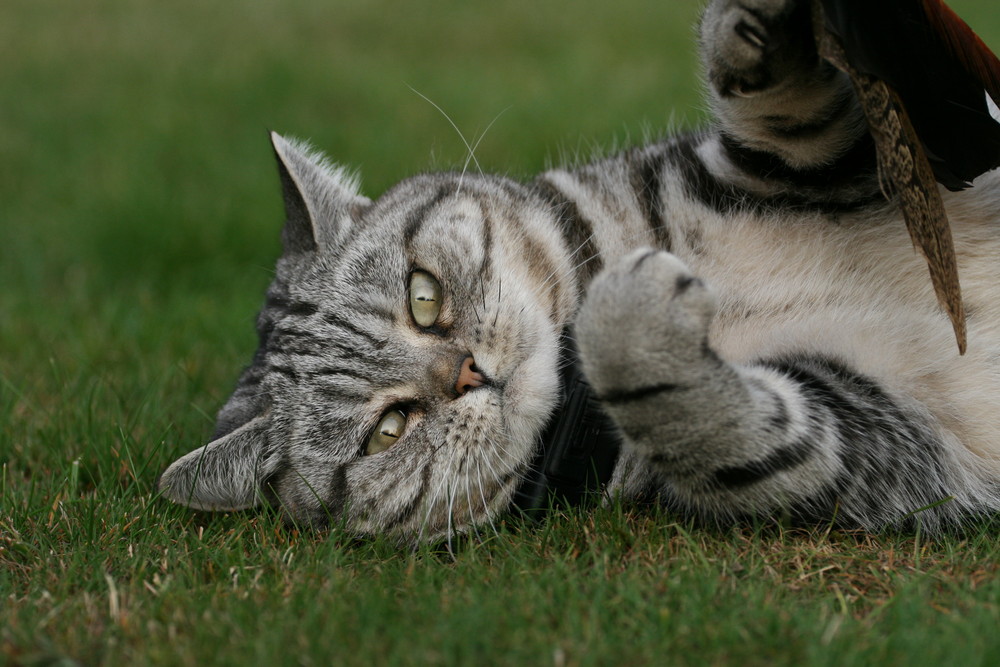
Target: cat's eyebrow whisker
[
  {"x": 467, "y": 297},
  {"x": 499, "y": 300},
  {"x": 475, "y": 145},
  {"x": 468, "y": 147},
  {"x": 482, "y": 289}
]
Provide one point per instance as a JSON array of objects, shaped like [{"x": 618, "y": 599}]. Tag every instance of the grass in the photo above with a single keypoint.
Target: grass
[{"x": 139, "y": 218}]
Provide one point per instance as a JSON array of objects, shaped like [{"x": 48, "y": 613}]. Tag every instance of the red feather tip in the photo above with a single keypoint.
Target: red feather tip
[{"x": 970, "y": 51}]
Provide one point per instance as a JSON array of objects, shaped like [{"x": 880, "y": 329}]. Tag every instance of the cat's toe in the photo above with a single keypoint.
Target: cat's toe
[
  {"x": 679, "y": 301},
  {"x": 644, "y": 314}
]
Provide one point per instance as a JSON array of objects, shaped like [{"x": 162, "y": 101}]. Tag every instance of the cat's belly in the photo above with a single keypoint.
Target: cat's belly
[{"x": 858, "y": 292}]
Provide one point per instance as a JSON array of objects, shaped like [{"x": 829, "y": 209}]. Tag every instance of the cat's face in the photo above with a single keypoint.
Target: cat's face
[{"x": 408, "y": 357}]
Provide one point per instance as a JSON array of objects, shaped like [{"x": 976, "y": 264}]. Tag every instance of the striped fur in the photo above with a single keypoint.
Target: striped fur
[{"x": 748, "y": 306}]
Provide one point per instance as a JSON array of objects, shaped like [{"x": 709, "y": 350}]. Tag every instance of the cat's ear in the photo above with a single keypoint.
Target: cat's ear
[
  {"x": 321, "y": 200},
  {"x": 226, "y": 474}
]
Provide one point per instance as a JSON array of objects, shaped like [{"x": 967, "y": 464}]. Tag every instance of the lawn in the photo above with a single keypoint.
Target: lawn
[{"x": 139, "y": 221}]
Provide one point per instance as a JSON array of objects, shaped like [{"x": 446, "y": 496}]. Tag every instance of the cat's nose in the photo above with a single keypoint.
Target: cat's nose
[{"x": 469, "y": 377}]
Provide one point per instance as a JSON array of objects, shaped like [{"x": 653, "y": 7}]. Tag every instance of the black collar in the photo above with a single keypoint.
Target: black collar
[{"x": 577, "y": 451}]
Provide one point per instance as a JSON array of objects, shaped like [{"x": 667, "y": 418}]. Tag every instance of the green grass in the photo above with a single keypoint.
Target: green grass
[{"x": 139, "y": 217}]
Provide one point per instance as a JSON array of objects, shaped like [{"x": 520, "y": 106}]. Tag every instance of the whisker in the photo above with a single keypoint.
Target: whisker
[
  {"x": 468, "y": 147},
  {"x": 499, "y": 299},
  {"x": 482, "y": 492},
  {"x": 475, "y": 145},
  {"x": 468, "y": 500},
  {"x": 436, "y": 495}
]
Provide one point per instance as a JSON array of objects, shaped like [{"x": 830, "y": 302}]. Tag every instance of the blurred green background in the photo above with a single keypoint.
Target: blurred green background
[{"x": 139, "y": 208}]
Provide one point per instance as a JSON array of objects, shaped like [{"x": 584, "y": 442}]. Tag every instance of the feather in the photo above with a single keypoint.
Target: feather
[
  {"x": 938, "y": 67},
  {"x": 925, "y": 96},
  {"x": 965, "y": 46}
]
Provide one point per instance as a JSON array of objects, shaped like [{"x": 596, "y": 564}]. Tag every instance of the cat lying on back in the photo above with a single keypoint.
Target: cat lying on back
[{"x": 747, "y": 303}]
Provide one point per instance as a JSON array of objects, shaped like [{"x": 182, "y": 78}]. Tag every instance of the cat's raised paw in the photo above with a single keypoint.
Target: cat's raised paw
[
  {"x": 645, "y": 317},
  {"x": 751, "y": 45}
]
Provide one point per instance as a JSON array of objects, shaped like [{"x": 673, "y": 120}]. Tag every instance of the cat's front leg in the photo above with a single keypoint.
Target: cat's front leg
[
  {"x": 643, "y": 336},
  {"x": 800, "y": 434},
  {"x": 770, "y": 90}
]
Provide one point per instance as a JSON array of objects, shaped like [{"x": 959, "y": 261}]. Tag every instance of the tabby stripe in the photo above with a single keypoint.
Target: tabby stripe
[
  {"x": 878, "y": 439},
  {"x": 781, "y": 417},
  {"x": 277, "y": 294},
  {"x": 725, "y": 198},
  {"x": 631, "y": 395},
  {"x": 857, "y": 166},
  {"x": 287, "y": 371},
  {"x": 786, "y": 127},
  {"x": 699, "y": 183},
  {"x": 336, "y": 495},
  {"x": 276, "y": 301},
  {"x": 302, "y": 308},
  {"x": 419, "y": 216},
  {"x": 345, "y": 372},
  {"x": 296, "y": 333},
  {"x": 646, "y": 173},
  {"x": 341, "y": 394},
  {"x": 337, "y": 321},
  {"x": 314, "y": 347},
  {"x": 821, "y": 390},
  {"x": 576, "y": 230},
  {"x": 539, "y": 262},
  {"x": 293, "y": 346},
  {"x": 782, "y": 458}
]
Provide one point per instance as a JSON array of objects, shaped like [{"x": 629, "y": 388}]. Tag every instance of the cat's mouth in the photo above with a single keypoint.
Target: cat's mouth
[{"x": 578, "y": 448}]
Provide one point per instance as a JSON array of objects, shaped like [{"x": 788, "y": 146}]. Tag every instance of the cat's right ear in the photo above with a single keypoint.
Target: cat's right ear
[
  {"x": 322, "y": 201},
  {"x": 226, "y": 474}
]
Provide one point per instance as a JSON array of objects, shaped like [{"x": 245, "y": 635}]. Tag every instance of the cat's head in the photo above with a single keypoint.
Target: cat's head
[{"x": 407, "y": 361}]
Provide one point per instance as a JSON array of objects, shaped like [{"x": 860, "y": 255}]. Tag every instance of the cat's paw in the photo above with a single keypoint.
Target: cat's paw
[
  {"x": 643, "y": 323},
  {"x": 749, "y": 46}
]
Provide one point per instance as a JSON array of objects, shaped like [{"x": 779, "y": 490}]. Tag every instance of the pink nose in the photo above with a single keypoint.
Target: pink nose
[{"x": 468, "y": 377}]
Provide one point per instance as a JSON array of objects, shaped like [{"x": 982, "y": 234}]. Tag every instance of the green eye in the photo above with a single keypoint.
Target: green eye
[
  {"x": 425, "y": 298},
  {"x": 388, "y": 431}
]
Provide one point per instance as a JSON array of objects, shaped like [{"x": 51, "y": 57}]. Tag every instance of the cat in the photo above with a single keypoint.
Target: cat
[{"x": 746, "y": 301}]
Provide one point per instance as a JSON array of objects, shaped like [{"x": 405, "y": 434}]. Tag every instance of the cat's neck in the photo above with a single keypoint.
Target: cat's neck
[{"x": 605, "y": 210}]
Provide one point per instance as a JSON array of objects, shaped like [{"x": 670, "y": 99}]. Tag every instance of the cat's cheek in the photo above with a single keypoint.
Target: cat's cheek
[{"x": 528, "y": 401}]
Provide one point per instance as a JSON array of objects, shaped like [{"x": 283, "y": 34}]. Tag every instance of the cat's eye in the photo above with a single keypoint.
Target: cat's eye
[
  {"x": 389, "y": 430},
  {"x": 425, "y": 298}
]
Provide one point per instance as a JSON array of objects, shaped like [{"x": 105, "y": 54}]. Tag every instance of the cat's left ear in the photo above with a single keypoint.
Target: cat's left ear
[
  {"x": 322, "y": 200},
  {"x": 227, "y": 473}
]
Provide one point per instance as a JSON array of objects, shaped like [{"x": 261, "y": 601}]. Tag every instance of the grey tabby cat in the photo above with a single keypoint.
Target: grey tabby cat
[{"x": 747, "y": 303}]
